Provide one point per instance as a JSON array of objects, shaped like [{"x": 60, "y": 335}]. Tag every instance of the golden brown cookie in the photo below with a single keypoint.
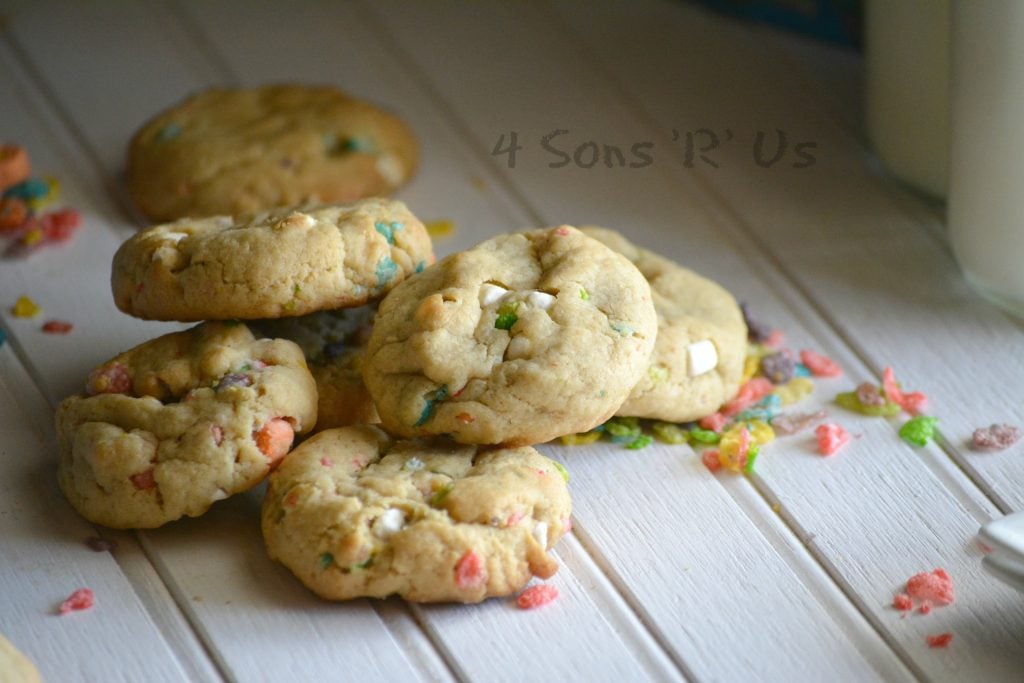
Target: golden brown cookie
[
  {"x": 697, "y": 363},
  {"x": 523, "y": 338},
  {"x": 354, "y": 514},
  {"x": 229, "y": 152},
  {"x": 286, "y": 263},
  {"x": 175, "y": 424}
]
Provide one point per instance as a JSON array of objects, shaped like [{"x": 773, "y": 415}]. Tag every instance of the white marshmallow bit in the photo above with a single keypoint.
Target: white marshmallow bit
[
  {"x": 175, "y": 236},
  {"x": 390, "y": 168},
  {"x": 491, "y": 294},
  {"x": 413, "y": 464},
  {"x": 541, "y": 300},
  {"x": 391, "y": 521},
  {"x": 703, "y": 357},
  {"x": 540, "y": 532},
  {"x": 518, "y": 347}
]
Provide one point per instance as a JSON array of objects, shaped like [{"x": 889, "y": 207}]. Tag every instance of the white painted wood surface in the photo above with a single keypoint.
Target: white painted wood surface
[{"x": 671, "y": 573}]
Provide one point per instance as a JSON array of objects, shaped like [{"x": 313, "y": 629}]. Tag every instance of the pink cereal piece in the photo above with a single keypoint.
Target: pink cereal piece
[
  {"x": 326, "y": 462},
  {"x": 743, "y": 449},
  {"x": 903, "y": 603},
  {"x": 775, "y": 339},
  {"x": 791, "y": 423},
  {"x": 291, "y": 499},
  {"x": 562, "y": 232},
  {"x": 941, "y": 640},
  {"x": 936, "y": 587},
  {"x": 995, "y": 437},
  {"x": 144, "y": 481},
  {"x": 109, "y": 379},
  {"x": 750, "y": 393},
  {"x": 59, "y": 226},
  {"x": 537, "y": 596},
  {"x": 819, "y": 364},
  {"x": 81, "y": 599},
  {"x": 514, "y": 518},
  {"x": 715, "y": 422},
  {"x": 925, "y": 608},
  {"x": 217, "y": 432},
  {"x": 831, "y": 437},
  {"x": 469, "y": 571},
  {"x": 913, "y": 403},
  {"x": 567, "y": 524},
  {"x": 275, "y": 438},
  {"x": 711, "y": 460}
]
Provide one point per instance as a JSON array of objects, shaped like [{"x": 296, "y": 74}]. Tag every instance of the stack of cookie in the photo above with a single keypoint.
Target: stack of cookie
[{"x": 465, "y": 365}]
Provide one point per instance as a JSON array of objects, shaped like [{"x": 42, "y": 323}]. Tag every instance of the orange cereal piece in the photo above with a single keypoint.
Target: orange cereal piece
[
  {"x": 941, "y": 640},
  {"x": 536, "y": 596},
  {"x": 14, "y": 165},
  {"x": 903, "y": 603},
  {"x": 275, "y": 438},
  {"x": 13, "y": 213},
  {"x": 819, "y": 364},
  {"x": 81, "y": 599},
  {"x": 936, "y": 587}
]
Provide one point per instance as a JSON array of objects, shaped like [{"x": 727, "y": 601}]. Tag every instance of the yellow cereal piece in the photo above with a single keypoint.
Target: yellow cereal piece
[
  {"x": 25, "y": 308},
  {"x": 750, "y": 367},
  {"x": 657, "y": 373},
  {"x": 53, "y": 192},
  {"x": 760, "y": 432},
  {"x": 579, "y": 439},
  {"x": 439, "y": 228},
  {"x": 33, "y": 236},
  {"x": 794, "y": 390}
]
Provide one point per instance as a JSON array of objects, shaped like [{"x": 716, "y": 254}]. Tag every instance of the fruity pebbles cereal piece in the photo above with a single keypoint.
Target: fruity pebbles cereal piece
[
  {"x": 831, "y": 437},
  {"x": 537, "y": 596},
  {"x": 995, "y": 437},
  {"x": 81, "y": 599}
]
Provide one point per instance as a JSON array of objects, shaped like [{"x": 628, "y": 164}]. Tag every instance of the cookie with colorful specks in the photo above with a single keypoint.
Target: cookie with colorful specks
[
  {"x": 355, "y": 514},
  {"x": 173, "y": 425},
  {"x": 233, "y": 151},
  {"x": 289, "y": 262},
  {"x": 521, "y": 339}
]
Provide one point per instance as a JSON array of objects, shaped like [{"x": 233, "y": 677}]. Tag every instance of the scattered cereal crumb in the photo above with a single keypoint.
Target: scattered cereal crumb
[
  {"x": 831, "y": 437},
  {"x": 935, "y": 587},
  {"x": 903, "y": 603},
  {"x": 57, "y": 327},
  {"x": 101, "y": 545},
  {"x": 995, "y": 437},
  {"x": 918, "y": 430},
  {"x": 791, "y": 423},
  {"x": 941, "y": 640},
  {"x": 819, "y": 364},
  {"x": 925, "y": 608},
  {"x": 537, "y": 596},
  {"x": 81, "y": 599},
  {"x": 442, "y": 228},
  {"x": 24, "y": 307}
]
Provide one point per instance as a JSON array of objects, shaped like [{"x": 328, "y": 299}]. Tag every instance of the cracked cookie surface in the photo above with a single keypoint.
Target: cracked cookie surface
[
  {"x": 169, "y": 427},
  {"x": 354, "y": 514},
  {"x": 521, "y": 339},
  {"x": 334, "y": 343},
  {"x": 286, "y": 263},
  {"x": 233, "y": 151},
  {"x": 697, "y": 363}
]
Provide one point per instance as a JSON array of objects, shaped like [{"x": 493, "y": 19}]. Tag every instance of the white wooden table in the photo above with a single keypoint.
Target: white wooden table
[{"x": 671, "y": 572}]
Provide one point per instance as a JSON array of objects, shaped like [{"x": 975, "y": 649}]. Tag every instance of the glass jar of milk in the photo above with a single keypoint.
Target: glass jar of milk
[{"x": 986, "y": 202}]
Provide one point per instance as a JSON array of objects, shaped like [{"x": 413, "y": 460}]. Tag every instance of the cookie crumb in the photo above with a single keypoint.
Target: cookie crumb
[
  {"x": 537, "y": 596},
  {"x": 81, "y": 599}
]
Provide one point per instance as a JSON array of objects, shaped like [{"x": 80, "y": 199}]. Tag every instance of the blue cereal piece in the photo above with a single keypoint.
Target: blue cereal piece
[
  {"x": 431, "y": 398},
  {"x": 386, "y": 269},
  {"x": 29, "y": 190},
  {"x": 388, "y": 229},
  {"x": 169, "y": 132},
  {"x": 420, "y": 266}
]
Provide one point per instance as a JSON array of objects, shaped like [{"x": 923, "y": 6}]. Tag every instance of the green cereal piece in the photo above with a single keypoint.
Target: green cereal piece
[
  {"x": 705, "y": 436},
  {"x": 584, "y": 294},
  {"x": 657, "y": 373},
  {"x": 561, "y": 470},
  {"x": 918, "y": 430},
  {"x": 850, "y": 401},
  {"x": 623, "y": 429},
  {"x": 326, "y": 560},
  {"x": 507, "y": 315},
  {"x": 441, "y": 494},
  {"x": 666, "y": 432},
  {"x": 751, "y": 457},
  {"x": 642, "y": 441}
]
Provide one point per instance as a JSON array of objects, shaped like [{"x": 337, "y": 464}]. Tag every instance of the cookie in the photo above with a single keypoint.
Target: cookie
[
  {"x": 14, "y": 666},
  {"x": 521, "y": 339},
  {"x": 354, "y": 514},
  {"x": 702, "y": 340},
  {"x": 285, "y": 263},
  {"x": 173, "y": 425},
  {"x": 334, "y": 343},
  {"x": 242, "y": 151}
]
